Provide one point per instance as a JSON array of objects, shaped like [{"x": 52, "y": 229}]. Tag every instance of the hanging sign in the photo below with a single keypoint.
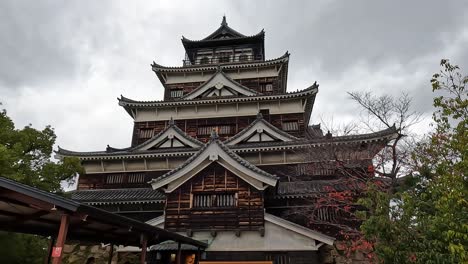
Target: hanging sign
[{"x": 56, "y": 252}]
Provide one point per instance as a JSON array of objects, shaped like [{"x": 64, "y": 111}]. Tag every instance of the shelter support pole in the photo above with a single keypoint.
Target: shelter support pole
[
  {"x": 50, "y": 245},
  {"x": 179, "y": 253},
  {"x": 111, "y": 253},
  {"x": 144, "y": 245},
  {"x": 61, "y": 238},
  {"x": 198, "y": 255}
]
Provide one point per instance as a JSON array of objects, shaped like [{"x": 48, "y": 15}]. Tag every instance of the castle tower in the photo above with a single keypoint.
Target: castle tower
[{"x": 224, "y": 156}]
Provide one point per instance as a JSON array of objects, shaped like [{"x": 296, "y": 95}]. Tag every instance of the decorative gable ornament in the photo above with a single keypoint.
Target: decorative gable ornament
[
  {"x": 214, "y": 151},
  {"x": 260, "y": 131},
  {"x": 219, "y": 85}
]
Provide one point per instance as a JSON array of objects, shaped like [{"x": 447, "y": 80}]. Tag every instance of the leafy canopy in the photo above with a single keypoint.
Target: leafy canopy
[
  {"x": 426, "y": 221},
  {"x": 25, "y": 156}
]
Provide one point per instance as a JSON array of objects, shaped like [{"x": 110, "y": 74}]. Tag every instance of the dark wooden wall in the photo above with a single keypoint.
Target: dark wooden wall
[
  {"x": 190, "y": 126},
  {"x": 247, "y": 215}
]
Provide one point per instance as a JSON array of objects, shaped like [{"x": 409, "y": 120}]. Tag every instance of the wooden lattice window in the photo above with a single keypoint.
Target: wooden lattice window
[
  {"x": 136, "y": 178},
  {"x": 204, "y": 60},
  {"x": 266, "y": 87},
  {"x": 146, "y": 132},
  {"x": 177, "y": 93},
  {"x": 221, "y": 129},
  {"x": 114, "y": 178},
  {"x": 214, "y": 200},
  {"x": 290, "y": 125},
  {"x": 243, "y": 57},
  {"x": 224, "y": 57}
]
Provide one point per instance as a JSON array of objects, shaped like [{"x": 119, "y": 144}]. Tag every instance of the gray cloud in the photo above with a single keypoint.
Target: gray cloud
[{"x": 64, "y": 63}]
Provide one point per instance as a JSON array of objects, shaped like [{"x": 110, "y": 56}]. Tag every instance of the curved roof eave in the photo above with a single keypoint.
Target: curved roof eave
[
  {"x": 129, "y": 103},
  {"x": 229, "y": 65}
]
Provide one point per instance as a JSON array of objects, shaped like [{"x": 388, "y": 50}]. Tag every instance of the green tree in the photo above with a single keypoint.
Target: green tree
[
  {"x": 426, "y": 220},
  {"x": 25, "y": 156}
]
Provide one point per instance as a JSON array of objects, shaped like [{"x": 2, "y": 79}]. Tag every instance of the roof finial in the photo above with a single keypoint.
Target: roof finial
[
  {"x": 259, "y": 115},
  {"x": 214, "y": 134},
  {"x": 224, "y": 23},
  {"x": 171, "y": 121}
]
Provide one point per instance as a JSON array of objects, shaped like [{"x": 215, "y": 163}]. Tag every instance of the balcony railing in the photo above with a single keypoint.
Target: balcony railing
[{"x": 222, "y": 59}]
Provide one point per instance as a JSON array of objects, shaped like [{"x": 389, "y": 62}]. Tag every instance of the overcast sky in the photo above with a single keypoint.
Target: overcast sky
[{"x": 64, "y": 63}]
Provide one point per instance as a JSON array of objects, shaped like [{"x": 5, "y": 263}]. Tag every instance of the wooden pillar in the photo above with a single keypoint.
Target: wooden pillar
[
  {"x": 198, "y": 256},
  {"x": 144, "y": 245},
  {"x": 61, "y": 238},
  {"x": 179, "y": 253},
  {"x": 111, "y": 253},
  {"x": 50, "y": 245}
]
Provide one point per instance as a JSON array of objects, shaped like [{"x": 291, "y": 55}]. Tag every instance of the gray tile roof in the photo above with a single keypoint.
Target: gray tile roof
[
  {"x": 215, "y": 140},
  {"x": 171, "y": 246},
  {"x": 105, "y": 196}
]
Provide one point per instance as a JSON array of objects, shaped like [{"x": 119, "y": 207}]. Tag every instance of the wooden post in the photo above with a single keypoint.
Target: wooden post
[
  {"x": 144, "y": 245},
  {"x": 50, "y": 245},
  {"x": 179, "y": 253},
  {"x": 111, "y": 253},
  {"x": 61, "y": 238}
]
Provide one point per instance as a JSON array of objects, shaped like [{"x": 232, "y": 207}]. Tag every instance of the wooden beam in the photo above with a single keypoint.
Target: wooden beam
[
  {"x": 61, "y": 238},
  {"x": 179, "y": 253},
  {"x": 144, "y": 245},
  {"x": 111, "y": 253}
]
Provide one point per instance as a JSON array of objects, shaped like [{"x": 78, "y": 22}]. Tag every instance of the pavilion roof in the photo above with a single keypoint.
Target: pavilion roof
[
  {"x": 222, "y": 34},
  {"x": 26, "y": 209},
  {"x": 310, "y": 92},
  {"x": 348, "y": 140},
  {"x": 225, "y": 66},
  {"x": 118, "y": 196}
]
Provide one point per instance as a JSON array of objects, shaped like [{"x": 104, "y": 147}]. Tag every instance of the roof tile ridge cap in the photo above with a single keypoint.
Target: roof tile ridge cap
[
  {"x": 187, "y": 136},
  {"x": 189, "y": 160},
  {"x": 218, "y": 70},
  {"x": 247, "y": 163},
  {"x": 243, "y": 131},
  {"x": 255, "y": 93},
  {"x": 284, "y": 133}
]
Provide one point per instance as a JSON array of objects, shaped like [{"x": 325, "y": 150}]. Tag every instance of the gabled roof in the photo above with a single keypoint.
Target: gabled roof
[
  {"x": 118, "y": 196},
  {"x": 233, "y": 65},
  {"x": 129, "y": 103},
  {"x": 247, "y": 147},
  {"x": 219, "y": 85},
  {"x": 170, "y": 137},
  {"x": 260, "y": 131},
  {"x": 224, "y": 32},
  {"x": 168, "y": 142},
  {"x": 215, "y": 151}
]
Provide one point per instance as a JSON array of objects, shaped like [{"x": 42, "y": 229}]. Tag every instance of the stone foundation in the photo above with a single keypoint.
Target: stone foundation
[{"x": 80, "y": 254}]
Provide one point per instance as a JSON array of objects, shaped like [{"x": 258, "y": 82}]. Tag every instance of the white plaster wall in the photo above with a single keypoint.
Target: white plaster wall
[
  {"x": 178, "y": 77},
  {"x": 224, "y": 110},
  {"x": 276, "y": 239}
]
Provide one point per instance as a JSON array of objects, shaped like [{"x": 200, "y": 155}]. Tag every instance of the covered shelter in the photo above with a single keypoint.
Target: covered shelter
[{"x": 25, "y": 209}]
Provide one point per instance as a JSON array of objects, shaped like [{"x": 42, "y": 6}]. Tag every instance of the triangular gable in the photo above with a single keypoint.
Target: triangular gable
[
  {"x": 224, "y": 31},
  {"x": 298, "y": 229},
  {"x": 171, "y": 137},
  {"x": 260, "y": 131},
  {"x": 219, "y": 85},
  {"x": 280, "y": 235},
  {"x": 215, "y": 151}
]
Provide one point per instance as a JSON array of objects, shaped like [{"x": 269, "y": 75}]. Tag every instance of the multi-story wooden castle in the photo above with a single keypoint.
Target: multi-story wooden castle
[{"x": 226, "y": 156}]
